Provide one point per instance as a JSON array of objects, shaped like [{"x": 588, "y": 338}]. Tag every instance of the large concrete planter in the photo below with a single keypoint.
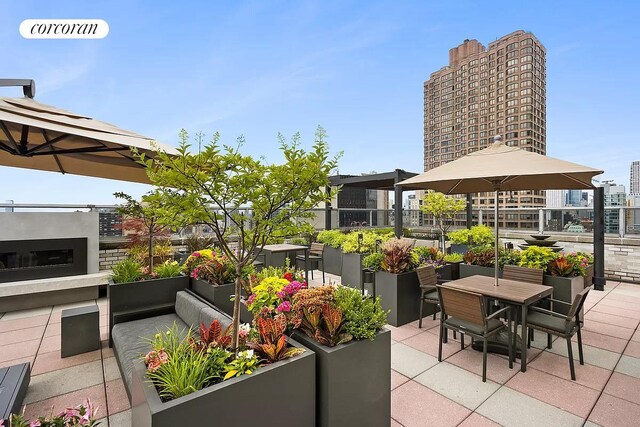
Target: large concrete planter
[
  {"x": 467, "y": 270},
  {"x": 400, "y": 293},
  {"x": 352, "y": 270},
  {"x": 332, "y": 259},
  {"x": 220, "y": 296},
  {"x": 283, "y": 393},
  {"x": 352, "y": 381},
  {"x": 449, "y": 271},
  {"x": 147, "y": 298},
  {"x": 564, "y": 289},
  {"x": 457, "y": 248}
]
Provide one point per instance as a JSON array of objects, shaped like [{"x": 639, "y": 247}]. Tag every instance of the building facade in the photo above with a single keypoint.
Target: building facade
[
  {"x": 634, "y": 179},
  {"x": 483, "y": 92},
  {"x": 614, "y": 196}
]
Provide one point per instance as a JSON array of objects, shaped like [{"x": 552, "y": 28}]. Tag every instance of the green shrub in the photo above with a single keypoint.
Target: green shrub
[
  {"x": 333, "y": 238},
  {"x": 168, "y": 269},
  {"x": 363, "y": 315},
  {"x": 536, "y": 257},
  {"x": 373, "y": 261},
  {"x": 478, "y": 237},
  {"x": 509, "y": 258},
  {"x": 368, "y": 244},
  {"x": 127, "y": 270},
  {"x": 454, "y": 257}
]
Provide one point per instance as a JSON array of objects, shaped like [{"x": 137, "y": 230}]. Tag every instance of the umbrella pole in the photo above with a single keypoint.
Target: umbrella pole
[{"x": 496, "y": 226}]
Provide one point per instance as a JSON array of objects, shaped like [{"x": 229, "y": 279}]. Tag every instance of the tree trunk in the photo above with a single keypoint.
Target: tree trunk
[
  {"x": 151, "y": 248},
  {"x": 236, "y": 310}
]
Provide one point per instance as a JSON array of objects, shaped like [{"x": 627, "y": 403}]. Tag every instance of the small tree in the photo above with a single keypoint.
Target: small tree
[
  {"x": 209, "y": 186},
  {"x": 443, "y": 208},
  {"x": 143, "y": 219}
]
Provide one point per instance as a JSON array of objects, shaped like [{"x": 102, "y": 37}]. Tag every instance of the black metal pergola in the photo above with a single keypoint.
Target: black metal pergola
[{"x": 378, "y": 181}]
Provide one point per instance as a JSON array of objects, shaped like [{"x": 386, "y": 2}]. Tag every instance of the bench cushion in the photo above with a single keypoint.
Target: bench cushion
[
  {"x": 129, "y": 340},
  {"x": 207, "y": 315},
  {"x": 188, "y": 308}
]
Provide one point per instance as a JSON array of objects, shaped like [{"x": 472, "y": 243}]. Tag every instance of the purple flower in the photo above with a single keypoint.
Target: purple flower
[{"x": 284, "y": 307}]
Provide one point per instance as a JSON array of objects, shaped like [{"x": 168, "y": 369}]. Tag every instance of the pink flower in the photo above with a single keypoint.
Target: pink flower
[
  {"x": 154, "y": 359},
  {"x": 196, "y": 254},
  {"x": 284, "y": 307},
  {"x": 282, "y": 294},
  {"x": 251, "y": 298},
  {"x": 35, "y": 423}
]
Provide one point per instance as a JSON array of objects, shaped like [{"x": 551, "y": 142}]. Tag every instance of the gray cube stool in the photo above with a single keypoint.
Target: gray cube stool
[{"x": 80, "y": 330}]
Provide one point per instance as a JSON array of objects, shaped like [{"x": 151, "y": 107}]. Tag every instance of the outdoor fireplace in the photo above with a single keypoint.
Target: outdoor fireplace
[{"x": 42, "y": 258}]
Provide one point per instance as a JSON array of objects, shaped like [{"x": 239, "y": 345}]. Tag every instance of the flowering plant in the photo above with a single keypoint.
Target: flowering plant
[
  {"x": 245, "y": 363},
  {"x": 217, "y": 270},
  {"x": 196, "y": 258},
  {"x": 571, "y": 265},
  {"x": 81, "y": 415}
]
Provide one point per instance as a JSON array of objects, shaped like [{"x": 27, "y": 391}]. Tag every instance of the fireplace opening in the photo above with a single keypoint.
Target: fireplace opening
[{"x": 42, "y": 258}]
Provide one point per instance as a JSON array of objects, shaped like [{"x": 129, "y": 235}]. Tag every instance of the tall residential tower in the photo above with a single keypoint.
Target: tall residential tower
[
  {"x": 634, "y": 179},
  {"x": 483, "y": 92}
]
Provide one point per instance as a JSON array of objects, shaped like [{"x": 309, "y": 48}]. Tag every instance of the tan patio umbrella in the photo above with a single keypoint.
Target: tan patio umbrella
[
  {"x": 503, "y": 168},
  {"x": 42, "y": 137}
]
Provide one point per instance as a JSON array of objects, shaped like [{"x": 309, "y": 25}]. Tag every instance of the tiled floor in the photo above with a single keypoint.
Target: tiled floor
[{"x": 424, "y": 392}]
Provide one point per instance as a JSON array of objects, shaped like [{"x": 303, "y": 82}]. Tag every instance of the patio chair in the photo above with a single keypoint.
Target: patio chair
[
  {"x": 524, "y": 274},
  {"x": 428, "y": 279},
  {"x": 465, "y": 312},
  {"x": 561, "y": 325},
  {"x": 315, "y": 257}
]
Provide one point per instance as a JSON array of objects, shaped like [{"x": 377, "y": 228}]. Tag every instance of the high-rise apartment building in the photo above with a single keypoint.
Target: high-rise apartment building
[
  {"x": 634, "y": 179},
  {"x": 483, "y": 92}
]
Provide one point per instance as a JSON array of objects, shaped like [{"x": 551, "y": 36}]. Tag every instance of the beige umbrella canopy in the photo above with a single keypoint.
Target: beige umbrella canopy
[
  {"x": 508, "y": 168},
  {"x": 502, "y": 168},
  {"x": 42, "y": 137}
]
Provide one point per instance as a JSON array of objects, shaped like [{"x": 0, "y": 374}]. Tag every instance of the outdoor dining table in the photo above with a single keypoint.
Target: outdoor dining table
[
  {"x": 512, "y": 292},
  {"x": 286, "y": 248}
]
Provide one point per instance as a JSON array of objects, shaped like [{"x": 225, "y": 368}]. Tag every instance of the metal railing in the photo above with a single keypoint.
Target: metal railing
[{"x": 619, "y": 221}]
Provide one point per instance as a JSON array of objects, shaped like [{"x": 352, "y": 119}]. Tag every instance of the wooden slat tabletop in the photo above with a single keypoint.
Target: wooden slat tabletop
[{"x": 507, "y": 290}]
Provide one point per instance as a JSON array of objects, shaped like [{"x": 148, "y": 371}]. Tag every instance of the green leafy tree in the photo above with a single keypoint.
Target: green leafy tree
[
  {"x": 443, "y": 208},
  {"x": 210, "y": 186}
]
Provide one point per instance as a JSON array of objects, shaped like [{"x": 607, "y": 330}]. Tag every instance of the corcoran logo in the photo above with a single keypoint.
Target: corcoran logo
[{"x": 64, "y": 29}]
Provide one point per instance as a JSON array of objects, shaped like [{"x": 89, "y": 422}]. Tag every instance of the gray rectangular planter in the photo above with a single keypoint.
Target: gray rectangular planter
[
  {"x": 400, "y": 293},
  {"x": 564, "y": 289},
  {"x": 220, "y": 296},
  {"x": 147, "y": 298},
  {"x": 283, "y": 393},
  {"x": 353, "y": 382},
  {"x": 467, "y": 270},
  {"x": 457, "y": 248},
  {"x": 352, "y": 270},
  {"x": 332, "y": 259}
]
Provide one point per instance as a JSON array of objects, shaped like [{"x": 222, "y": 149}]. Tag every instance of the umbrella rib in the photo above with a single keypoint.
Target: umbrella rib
[
  {"x": 48, "y": 142},
  {"x": 117, "y": 152},
  {"x": 577, "y": 180},
  {"x": 9, "y": 137},
  {"x": 84, "y": 150},
  {"x": 454, "y": 187},
  {"x": 6, "y": 148},
  {"x": 55, "y": 156}
]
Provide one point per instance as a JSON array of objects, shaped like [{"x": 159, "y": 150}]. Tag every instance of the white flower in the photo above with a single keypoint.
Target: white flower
[
  {"x": 249, "y": 354},
  {"x": 245, "y": 327}
]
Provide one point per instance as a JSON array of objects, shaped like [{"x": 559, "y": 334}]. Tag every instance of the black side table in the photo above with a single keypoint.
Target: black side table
[{"x": 80, "y": 330}]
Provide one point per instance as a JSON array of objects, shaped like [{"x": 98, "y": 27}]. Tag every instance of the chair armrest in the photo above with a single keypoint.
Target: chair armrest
[
  {"x": 549, "y": 312},
  {"x": 502, "y": 310}
]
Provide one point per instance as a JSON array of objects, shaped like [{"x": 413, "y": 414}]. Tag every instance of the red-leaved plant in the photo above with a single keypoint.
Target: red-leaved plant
[
  {"x": 212, "y": 336},
  {"x": 316, "y": 313},
  {"x": 271, "y": 342}
]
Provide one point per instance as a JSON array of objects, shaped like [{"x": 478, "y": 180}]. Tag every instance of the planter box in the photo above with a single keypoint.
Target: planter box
[
  {"x": 456, "y": 248},
  {"x": 564, "y": 289},
  {"x": 220, "y": 296},
  {"x": 400, "y": 293},
  {"x": 332, "y": 260},
  {"x": 450, "y": 271},
  {"x": 352, "y": 381},
  {"x": 282, "y": 393},
  {"x": 352, "y": 270},
  {"x": 147, "y": 298},
  {"x": 467, "y": 270},
  {"x": 588, "y": 277}
]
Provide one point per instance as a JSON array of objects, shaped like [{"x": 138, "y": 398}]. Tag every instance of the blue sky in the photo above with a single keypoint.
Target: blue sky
[{"x": 356, "y": 68}]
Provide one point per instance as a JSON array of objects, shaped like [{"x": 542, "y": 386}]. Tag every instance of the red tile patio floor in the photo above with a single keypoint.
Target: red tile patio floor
[{"x": 424, "y": 392}]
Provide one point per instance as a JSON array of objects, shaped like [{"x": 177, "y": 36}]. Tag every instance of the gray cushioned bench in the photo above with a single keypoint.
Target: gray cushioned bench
[{"x": 129, "y": 337}]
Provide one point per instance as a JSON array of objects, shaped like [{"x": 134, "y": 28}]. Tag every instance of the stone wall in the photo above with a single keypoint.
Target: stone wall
[
  {"x": 621, "y": 256},
  {"x": 109, "y": 257}
]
